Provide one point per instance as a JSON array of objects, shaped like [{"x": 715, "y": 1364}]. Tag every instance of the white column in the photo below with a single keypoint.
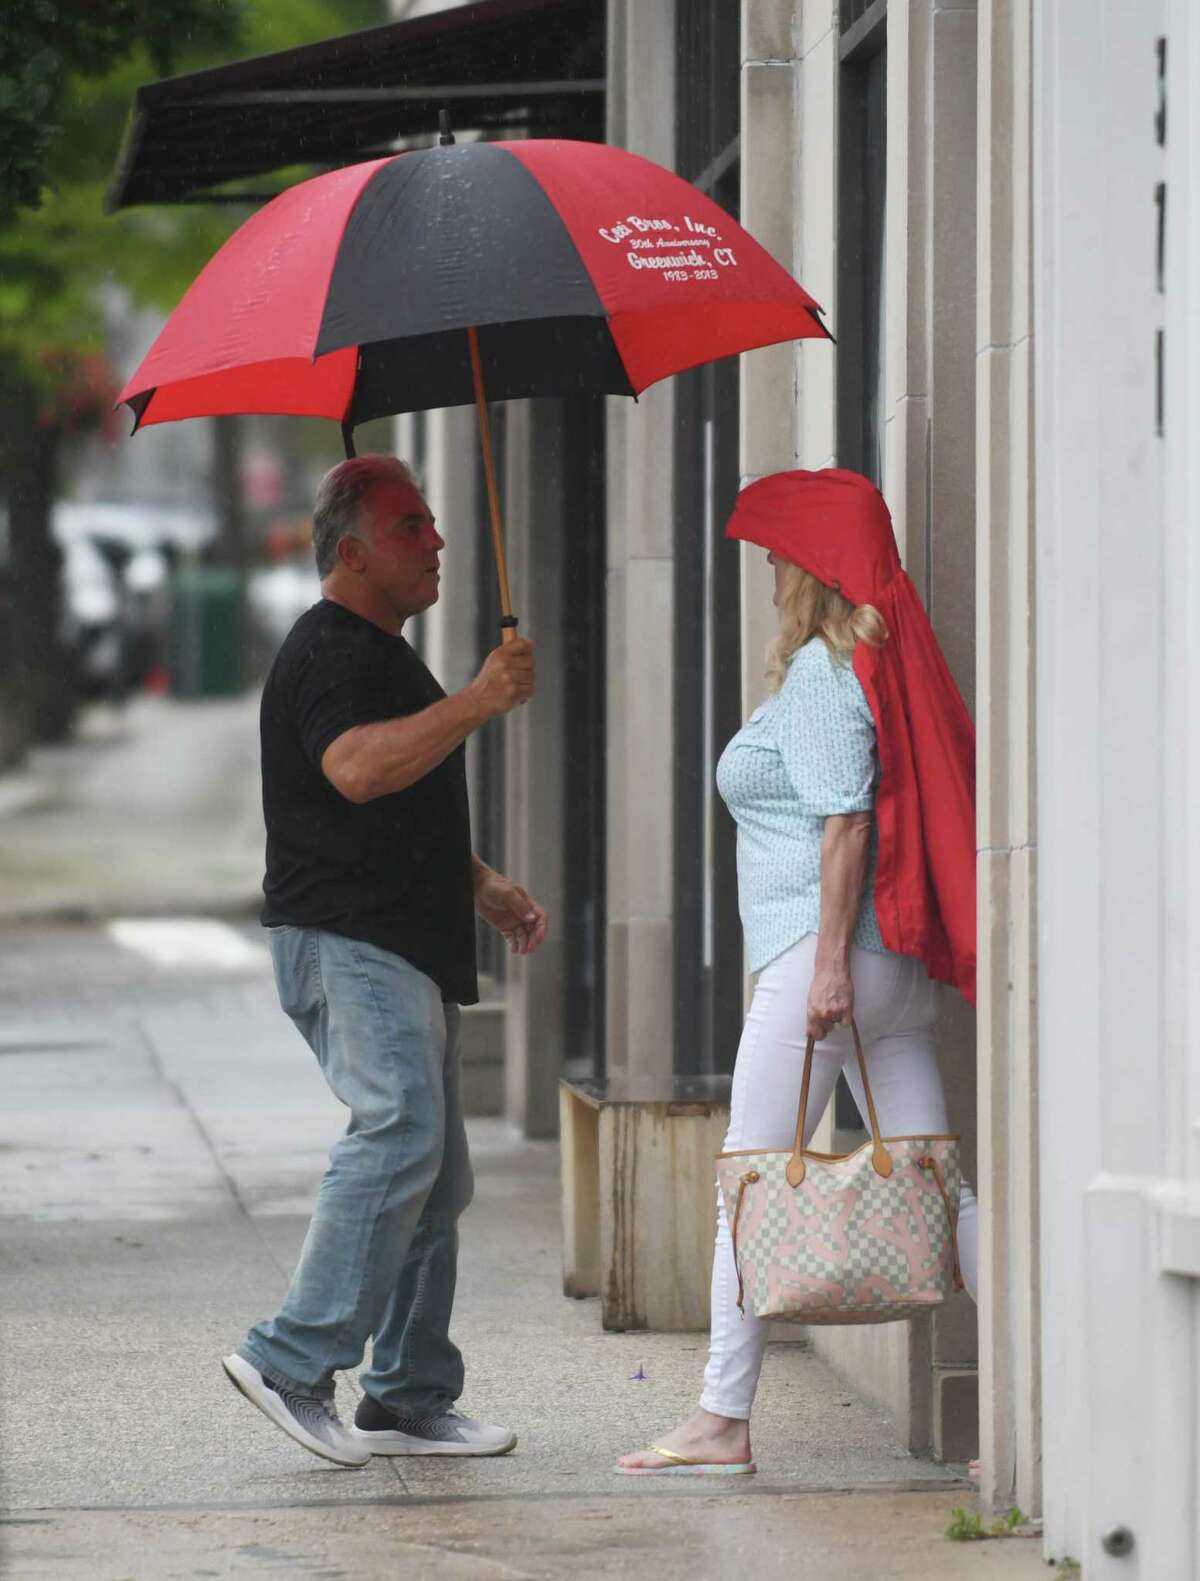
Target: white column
[
  {"x": 1182, "y": 315},
  {"x": 449, "y": 627},
  {"x": 814, "y": 217},
  {"x": 641, "y": 611},
  {"x": 929, "y": 378},
  {"x": 1118, "y": 690},
  {"x": 1009, "y": 1335},
  {"x": 767, "y": 377},
  {"x": 1175, "y": 1506},
  {"x": 537, "y": 527},
  {"x": 906, "y": 261}
]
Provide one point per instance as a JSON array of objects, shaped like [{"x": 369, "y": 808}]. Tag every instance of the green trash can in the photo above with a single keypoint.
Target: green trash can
[{"x": 206, "y": 632}]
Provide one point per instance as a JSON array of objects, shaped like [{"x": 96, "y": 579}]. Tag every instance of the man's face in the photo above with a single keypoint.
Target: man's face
[{"x": 399, "y": 551}]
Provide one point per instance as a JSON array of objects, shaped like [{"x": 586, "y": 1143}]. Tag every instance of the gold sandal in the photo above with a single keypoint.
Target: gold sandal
[{"x": 684, "y": 1467}]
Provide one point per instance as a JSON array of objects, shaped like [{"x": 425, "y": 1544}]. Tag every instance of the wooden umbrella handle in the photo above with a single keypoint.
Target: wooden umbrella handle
[{"x": 508, "y": 621}]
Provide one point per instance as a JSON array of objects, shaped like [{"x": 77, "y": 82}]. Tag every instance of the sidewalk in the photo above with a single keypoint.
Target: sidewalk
[
  {"x": 158, "y": 1178},
  {"x": 151, "y": 808}
]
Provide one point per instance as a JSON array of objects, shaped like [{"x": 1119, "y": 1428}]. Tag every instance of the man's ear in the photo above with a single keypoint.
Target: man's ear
[{"x": 351, "y": 552}]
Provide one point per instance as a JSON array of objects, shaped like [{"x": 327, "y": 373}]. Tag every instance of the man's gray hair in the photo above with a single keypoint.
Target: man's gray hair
[{"x": 339, "y": 506}]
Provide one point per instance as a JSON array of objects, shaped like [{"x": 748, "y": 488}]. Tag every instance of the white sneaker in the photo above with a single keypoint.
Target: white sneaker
[
  {"x": 384, "y": 1433},
  {"x": 308, "y": 1418}
]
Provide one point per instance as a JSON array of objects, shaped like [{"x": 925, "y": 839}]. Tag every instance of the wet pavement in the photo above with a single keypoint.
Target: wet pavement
[
  {"x": 162, "y": 1133},
  {"x": 153, "y": 807}
]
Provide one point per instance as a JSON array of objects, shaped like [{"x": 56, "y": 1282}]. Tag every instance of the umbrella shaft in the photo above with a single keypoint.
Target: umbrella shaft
[{"x": 489, "y": 467}]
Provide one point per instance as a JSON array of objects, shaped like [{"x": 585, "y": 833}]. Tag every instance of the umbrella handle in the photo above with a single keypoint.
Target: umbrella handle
[{"x": 508, "y": 621}]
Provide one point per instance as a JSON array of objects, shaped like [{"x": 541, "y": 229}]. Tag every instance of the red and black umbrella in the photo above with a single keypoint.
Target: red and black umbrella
[{"x": 485, "y": 271}]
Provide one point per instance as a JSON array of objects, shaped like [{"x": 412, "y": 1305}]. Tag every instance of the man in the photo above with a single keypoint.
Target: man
[{"x": 371, "y": 891}]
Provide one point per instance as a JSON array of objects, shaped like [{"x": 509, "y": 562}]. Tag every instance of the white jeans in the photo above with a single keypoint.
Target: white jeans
[{"x": 894, "y": 1008}]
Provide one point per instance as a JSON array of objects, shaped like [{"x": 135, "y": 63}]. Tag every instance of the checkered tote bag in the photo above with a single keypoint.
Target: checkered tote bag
[{"x": 864, "y": 1237}]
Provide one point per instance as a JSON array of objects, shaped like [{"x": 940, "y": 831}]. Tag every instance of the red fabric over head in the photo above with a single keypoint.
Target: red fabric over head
[{"x": 836, "y": 525}]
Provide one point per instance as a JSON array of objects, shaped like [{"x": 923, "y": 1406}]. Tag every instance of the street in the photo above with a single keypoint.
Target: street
[
  {"x": 811, "y": 390},
  {"x": 152, "y": 807},
  {"x": 164, "y": 1129}
]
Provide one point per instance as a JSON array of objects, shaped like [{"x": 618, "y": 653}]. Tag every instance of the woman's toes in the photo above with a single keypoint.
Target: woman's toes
[{"x": 642, "y": 1459}]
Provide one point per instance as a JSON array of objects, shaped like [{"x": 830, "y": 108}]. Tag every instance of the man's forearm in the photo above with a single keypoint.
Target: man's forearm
[
  {"x": 845, "y": 855},
  {"x": 376, "y": 760},
  {"x": 481, "y": 870}
]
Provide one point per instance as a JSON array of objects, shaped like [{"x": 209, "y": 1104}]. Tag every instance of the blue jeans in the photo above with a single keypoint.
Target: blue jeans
[{"x": 380, "y": 1258}]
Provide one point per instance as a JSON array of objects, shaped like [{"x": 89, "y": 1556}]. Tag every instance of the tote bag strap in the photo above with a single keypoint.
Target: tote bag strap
[{"x": 881, "y": 1159}]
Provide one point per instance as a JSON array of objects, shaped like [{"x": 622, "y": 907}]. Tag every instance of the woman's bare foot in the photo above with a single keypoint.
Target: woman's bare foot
[{"x": 715, "y": 1440}]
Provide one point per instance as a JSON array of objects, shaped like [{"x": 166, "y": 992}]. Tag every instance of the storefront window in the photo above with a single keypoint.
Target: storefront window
[{"x": 862, "y": 161}]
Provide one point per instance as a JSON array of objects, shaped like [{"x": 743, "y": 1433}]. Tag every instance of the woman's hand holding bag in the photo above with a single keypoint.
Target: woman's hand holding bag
[
  {"x": 830, "y": 1000},
  {"x": 864, "y": 1237}
]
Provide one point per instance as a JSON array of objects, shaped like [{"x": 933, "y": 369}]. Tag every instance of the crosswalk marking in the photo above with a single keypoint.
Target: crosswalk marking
[{"x": 188, "y": 943}]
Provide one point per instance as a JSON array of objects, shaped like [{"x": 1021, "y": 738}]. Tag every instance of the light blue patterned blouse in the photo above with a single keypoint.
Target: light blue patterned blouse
[{"x": 807, "y": 753}]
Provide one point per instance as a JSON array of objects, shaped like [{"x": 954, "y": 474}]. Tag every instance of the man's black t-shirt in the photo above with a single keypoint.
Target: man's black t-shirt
[{"x": 396, "y": 871}]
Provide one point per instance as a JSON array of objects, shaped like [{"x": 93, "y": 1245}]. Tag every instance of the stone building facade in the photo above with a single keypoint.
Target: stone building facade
[{"x": 999, "y": 207}]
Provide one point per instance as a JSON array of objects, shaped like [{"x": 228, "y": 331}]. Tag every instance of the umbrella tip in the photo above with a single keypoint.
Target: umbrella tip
[{"x": 445, "y": 135}]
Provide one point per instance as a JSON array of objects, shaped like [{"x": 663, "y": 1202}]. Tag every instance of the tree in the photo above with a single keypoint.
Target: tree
[
  {"x": 69, "y": 70},
  {"x": 46, "y": 45},
  {"x": 66, "y": 70}
]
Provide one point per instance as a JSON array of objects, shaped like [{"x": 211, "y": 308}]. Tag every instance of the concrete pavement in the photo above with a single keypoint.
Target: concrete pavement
[
  {"x": 153, "y": 807},
  {"x": 163, "y": 1132}
]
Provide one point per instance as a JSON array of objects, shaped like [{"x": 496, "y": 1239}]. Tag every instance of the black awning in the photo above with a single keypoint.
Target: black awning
[{"x": 496, "y": 65}]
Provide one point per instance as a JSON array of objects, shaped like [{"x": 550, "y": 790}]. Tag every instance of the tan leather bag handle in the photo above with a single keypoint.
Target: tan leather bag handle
[{"x": 881, "y": 1159}]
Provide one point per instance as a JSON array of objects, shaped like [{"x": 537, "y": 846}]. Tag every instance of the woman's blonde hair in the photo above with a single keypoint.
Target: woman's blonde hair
[{"x": 808, "y": 609}]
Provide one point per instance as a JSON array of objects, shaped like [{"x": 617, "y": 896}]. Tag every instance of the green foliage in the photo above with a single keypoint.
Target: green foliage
[
  {"x": 69, "y": 70},
  {"x": 1068, "y": 1569},
  {"x": 967, "y": 1527},
  {"x": 46, "y": 45}
]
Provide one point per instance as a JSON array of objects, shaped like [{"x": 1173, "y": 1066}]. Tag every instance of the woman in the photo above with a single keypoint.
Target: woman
[{"x": 853, "y": 791}]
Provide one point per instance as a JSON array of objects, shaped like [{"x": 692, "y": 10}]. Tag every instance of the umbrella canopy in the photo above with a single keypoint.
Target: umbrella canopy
[{"x": 582, "y": 268}]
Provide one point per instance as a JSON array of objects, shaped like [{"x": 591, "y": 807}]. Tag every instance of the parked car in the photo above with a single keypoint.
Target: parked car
[
  {"x": 94, "y": 629},
  {"x": 116, "y": 570}
]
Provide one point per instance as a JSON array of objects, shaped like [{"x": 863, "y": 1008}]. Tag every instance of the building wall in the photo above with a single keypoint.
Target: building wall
[
  {"x": 929, "y": 481},
  {"x": 448, "y": 628},
  {"x": 1118, "y": 727},
  {"x": 770, "y": 195},
  {"x": 535, "y": 833},
  {"x": 1009, "y": 1328},
  {"x": 639, "y": 1020},
  {"x": 923, "y": 1372}
]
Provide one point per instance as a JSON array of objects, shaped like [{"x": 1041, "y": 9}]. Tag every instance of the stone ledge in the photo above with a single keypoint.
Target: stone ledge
[
  {"x": 955, "y": 1413},
  {"x": 483, "y": 1057}
]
